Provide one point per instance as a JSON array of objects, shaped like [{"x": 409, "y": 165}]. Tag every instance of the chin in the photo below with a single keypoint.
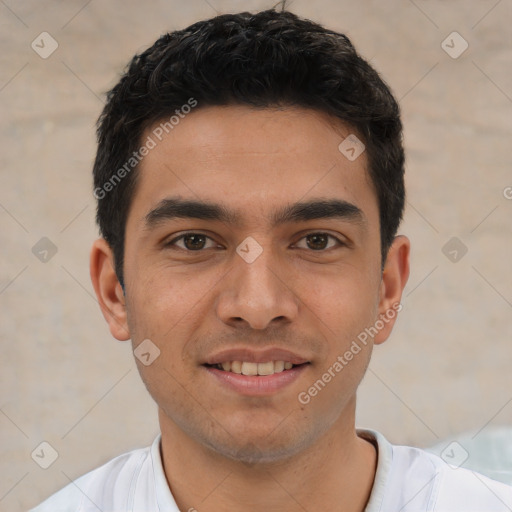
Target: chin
[
  {"x": 260, "y": 448},
  {"x": 251, "y": 454}
]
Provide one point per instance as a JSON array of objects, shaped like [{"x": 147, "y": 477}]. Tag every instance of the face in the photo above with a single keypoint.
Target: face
[{"x": 279, "y": 266}]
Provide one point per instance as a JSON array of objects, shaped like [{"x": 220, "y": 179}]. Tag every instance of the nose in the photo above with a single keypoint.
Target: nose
[{"x": 257, "y": 294}]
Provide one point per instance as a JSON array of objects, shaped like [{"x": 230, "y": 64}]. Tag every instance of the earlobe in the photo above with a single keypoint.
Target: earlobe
[
  {"x": 108, "y": 290},
  {"x": 394, "y": 279}
]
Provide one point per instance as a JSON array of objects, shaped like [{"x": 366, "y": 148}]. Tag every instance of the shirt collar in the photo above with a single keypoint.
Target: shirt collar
[
  {"x": 164, "y": 497},
  {"x": 384, "y": 460},
  {"x": 167, "y": 503}
]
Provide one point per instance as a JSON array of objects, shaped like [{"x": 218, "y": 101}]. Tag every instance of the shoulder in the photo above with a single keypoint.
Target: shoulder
[
  {"x": 105, "y": 486},
  {"x": 449, "y": 488},
  {"x": 412, "y": 480}
]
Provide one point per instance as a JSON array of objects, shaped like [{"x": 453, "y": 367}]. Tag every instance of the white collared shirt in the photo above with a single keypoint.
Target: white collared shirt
[{"x": 407, "y": 480}]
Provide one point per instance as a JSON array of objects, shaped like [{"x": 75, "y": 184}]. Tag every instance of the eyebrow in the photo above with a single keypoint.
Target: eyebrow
[{"x": 174, "y": 208}]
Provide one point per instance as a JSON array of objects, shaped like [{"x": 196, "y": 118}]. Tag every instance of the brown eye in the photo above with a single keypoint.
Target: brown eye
[
  {"x": 320, "y": 241},
  {"x": 317, "y": 241},
  {"x": 191, "y": 241},
  {"x": 194, "y": 242}
]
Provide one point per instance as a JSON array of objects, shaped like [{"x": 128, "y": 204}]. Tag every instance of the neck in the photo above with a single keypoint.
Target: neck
[{"x": 337, "y": 471}]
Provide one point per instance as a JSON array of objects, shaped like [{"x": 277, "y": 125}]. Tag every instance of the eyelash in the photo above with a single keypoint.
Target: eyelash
[{"x": 181, "y": 237}]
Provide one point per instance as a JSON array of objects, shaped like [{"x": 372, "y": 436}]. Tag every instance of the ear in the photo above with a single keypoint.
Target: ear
[
  {"x": 394, "y": 279},
  {"x": 108, "y": 289}
]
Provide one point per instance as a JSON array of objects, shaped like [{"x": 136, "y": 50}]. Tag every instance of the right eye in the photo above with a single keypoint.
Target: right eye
[{"x": 192, "y": 242}]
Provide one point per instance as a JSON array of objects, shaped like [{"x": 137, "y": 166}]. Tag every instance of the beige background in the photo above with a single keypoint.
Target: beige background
[{"x": 64, "y": 380}]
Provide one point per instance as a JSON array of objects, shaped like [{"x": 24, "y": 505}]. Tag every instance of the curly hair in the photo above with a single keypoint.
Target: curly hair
[{"x": 262, "y": 60}]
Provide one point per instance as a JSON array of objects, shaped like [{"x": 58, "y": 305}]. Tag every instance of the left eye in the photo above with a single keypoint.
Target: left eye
[{"x": 319, "y": 241}]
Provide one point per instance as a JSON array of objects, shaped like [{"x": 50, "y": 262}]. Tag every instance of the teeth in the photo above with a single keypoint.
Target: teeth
[
  {"x": 247, "y": 368},
  {"x": 266, "y": 368},
  {"x": 278, "y": 366},
  {"x": 236, "y": 366}
]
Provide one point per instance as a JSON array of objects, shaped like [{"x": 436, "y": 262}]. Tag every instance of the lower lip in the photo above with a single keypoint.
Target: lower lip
[{"x": 257, "y": 385}]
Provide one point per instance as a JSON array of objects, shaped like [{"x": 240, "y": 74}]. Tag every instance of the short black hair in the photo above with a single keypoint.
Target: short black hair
[{"x": 265, "y": 59}]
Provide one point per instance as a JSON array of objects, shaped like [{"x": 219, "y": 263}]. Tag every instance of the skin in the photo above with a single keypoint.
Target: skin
[{"x": 223, "y": 450}]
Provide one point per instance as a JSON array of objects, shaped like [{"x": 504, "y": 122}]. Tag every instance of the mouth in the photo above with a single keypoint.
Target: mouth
[
  {"x": 250, "y": 368},
  {"x": 255, "y": 373}
]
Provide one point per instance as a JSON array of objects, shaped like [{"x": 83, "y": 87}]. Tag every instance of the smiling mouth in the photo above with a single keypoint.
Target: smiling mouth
[{"x": 255, "y": 369}]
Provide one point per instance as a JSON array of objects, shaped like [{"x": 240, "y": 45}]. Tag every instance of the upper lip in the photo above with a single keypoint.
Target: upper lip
[{"x": 251, "y": 355}]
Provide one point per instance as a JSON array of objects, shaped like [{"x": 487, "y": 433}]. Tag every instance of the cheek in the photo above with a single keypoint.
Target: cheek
[
  {"x": 168, "y": 306},
  {"x": 341, "y": 308},
  {"x": 345, "y": 302},
  {"x": 334, "y": 384},
  {"x": 164, "y": 298}
]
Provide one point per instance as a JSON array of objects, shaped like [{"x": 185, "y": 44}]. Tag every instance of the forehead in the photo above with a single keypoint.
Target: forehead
[{"x": 253, "y": 160}]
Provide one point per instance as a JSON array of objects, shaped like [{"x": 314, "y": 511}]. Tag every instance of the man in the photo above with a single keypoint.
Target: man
[{"x": 249, "y": 179}]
